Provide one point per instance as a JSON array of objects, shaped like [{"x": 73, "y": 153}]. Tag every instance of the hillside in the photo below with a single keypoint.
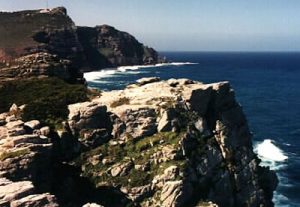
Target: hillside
[
  {"x": 106, "y": 46},
  {"x": 52, "y": 33}
]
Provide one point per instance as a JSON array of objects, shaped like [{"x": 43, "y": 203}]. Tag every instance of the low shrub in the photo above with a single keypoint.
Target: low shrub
[{"x": 46, "y": 99}]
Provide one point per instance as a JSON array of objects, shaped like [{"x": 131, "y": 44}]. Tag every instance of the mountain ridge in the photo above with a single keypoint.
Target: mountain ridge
[{"x": 52, "y": 31}]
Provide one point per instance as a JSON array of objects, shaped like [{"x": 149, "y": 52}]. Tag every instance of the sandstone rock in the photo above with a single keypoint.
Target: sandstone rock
[
  {"x": 14, "y": 108},
  {"x": 121, "y": 169},
  {"x": 144, "y": 81},
  {"x": 45, "y": 131},
  {"x": 45, "y": 200},
  {"x": 137, "y": 194},
  {"x": 10, "y": 191},
  {"x": 168, "y": 121},
  {"x": 88, "y": 115},
  {"x": 32, "y": 125},
  {"x": 140, "y": 123},
  {"x": 92, "y": 205},
  {"x": 14, "y": 124},
  {"x": 175, "y": 193},
  {"x": 3, "y": 119},
  {"x": 199, "y": 98}
]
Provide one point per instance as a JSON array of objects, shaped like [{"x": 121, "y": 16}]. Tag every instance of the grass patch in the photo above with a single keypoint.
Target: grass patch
[
  {"x": 13, "y": 154},
  {"x": 120, "y": 102},
  {"x": 46, "y": 99},
  {"x": 139, "y": 151}
]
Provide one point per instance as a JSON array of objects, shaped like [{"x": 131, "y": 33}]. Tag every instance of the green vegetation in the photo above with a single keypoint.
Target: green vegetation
[
  {"x": 17, "y": 29},
  {"x": 5, "y": 155},
  {"x": 140, "y": 151},
  {"x": 120, "y": 102},
  {"x": 46, "y": 99}
]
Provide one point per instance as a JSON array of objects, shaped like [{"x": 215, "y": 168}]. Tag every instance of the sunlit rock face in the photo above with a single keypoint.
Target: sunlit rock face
[
  {"x": 177, "y": 143},
  {"x": 155, "y": 143}
]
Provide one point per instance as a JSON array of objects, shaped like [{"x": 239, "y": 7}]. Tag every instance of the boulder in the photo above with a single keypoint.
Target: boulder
[
  {"x": 140, "y": 123},
  {"x": 144, "y": 81},
  {"x": 32, "y": 125},
  {"x": 168, "y": 121},
  {"x": 10, "y": 191},
  {"x": 121, "y": 169},
  {"x": 88, "y": 115},
  {"x": 175, "y": 194},
  {"x": 37, "y": 200}
]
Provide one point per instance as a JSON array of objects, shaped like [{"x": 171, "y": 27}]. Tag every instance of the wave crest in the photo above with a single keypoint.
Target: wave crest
[
  {"x": 270, "y": 151},
  {"x": 96, "y": 75}
]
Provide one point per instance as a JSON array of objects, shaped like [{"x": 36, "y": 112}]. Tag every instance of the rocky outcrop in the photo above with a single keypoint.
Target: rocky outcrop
[
  {"x": 47, "y": 43},
  {"x": 39, "y": 42},
  {"x": 155, "y": 143},
  {"x": 38, "y": 65},
  {"x": 105, "y": 46},
  {"x": 25, "y": 162},
  {"x": 188, "y": 145}
]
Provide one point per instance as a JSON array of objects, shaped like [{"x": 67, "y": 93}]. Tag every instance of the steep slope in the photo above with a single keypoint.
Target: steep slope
[
  {"x": 156, "y": 143},
  {"x": 105, "y": 46},
  {"x": 27, "y": 32},
  {"x": 39, "y": 43},
  {"x": 47, "y": 43}
]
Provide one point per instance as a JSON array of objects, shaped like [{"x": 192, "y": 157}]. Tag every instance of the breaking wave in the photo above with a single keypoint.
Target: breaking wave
[
  {"x": 272, "y": 156},
  {"x": 96, "y": 75},
  {"x": 268, "y": 150}
]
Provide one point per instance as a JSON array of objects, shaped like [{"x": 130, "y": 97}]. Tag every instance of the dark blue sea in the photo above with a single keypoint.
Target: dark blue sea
[{"x": 267, "y": 85}]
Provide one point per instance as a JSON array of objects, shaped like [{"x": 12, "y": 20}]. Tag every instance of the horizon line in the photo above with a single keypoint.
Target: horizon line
[{"x": 233, "y": 51}]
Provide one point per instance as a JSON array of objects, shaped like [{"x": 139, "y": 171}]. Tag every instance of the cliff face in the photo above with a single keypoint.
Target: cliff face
[
  {"x": 45, "y": 41},
  {"x": 155, "y": 143},
  {"x": 104, "y": 46},
  {"x": 53, "y": 33}
]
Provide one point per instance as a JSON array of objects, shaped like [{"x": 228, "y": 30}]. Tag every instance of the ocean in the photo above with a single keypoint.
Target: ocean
[{"x": 267, "y": 85}]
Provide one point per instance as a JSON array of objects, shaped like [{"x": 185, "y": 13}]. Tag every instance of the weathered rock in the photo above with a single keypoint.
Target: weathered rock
[
  {"x": 168, "y": 121},
  {"x": 175, "y": 193},
  {"x": 140, "y": 123},
  {"x": 91, "y": 122},
  {"x": 32, "y": 125},
  {"x": 45, "y": 200},
  {"x": 92, "y": 205},
  {"x": 207, "y": 157},
  {"x": 121, "y": 169},
  {"x": 211, "y": 158},
  {"x": 144, "y": 81},
  {"x": 10, "y": 191},
  {"x": 45, "y": 131},
  {"x": 104, "y": 46}
]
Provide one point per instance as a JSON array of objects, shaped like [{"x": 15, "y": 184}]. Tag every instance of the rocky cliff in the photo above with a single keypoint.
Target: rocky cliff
[
  {"x": 47, "y": 42},
  {"x": 105, "y": 46},
  {"x": 155, "y": 143}
]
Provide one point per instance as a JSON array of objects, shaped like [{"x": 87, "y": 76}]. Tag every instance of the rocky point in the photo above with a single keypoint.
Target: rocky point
[{"x": 166, "y": 143}]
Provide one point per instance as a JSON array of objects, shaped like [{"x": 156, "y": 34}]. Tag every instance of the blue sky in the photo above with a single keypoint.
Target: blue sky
[{"x": 190, "y": 25}]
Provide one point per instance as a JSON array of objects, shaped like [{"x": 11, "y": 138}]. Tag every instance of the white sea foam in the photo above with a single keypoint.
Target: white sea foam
[
  {"x": 136, "y": 67},
  {"x": 96, "y": 75},
  {"x": 268, "y": 150}
]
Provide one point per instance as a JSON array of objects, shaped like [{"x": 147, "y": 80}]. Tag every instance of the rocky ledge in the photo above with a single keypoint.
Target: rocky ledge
[{"x": 155, "y": 143}]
